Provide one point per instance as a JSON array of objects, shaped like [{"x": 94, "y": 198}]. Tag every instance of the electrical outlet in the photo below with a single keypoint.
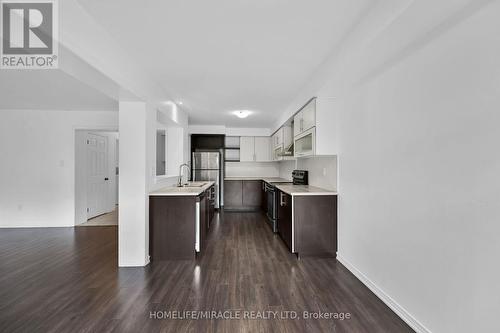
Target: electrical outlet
[{"x": 324, "y": 172}]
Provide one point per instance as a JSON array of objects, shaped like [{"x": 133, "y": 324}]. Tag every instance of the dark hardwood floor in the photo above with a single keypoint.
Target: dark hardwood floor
[{"x": 67, "y": 280}]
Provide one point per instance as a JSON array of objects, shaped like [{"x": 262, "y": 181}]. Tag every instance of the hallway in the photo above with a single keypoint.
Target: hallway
[{"x": 107, "y": 219}]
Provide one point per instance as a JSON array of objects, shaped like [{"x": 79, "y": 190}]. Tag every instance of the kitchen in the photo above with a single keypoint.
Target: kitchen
[
  {"x": 290, "y": 177},
  {"x": 387, "y": 110}
]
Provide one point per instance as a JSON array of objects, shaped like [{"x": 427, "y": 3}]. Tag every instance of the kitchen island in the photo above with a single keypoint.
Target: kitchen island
[{"x": 179, "y": 220}]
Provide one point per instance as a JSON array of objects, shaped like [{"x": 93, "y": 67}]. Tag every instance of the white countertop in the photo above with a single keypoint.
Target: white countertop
[
  {"x": 183, "y": 191},
  {"x": 270, "y": 180},
  {"x": 295, "y": 190}
]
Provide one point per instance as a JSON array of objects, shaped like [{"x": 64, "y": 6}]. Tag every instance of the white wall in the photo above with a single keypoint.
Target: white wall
[
  {"x": 207, "y": 129},
  {"x": 286, "y": 168},
  {"x": 322, "y": 171},
  {"x": 135, "y": 170},
  {"x": 229, "y": 131},
  {"x": 178, "y": 146},
  {"x": 37, "y": 173},
  {"x": 252, "y": 169},
  {"x": 419, "y": 183},
  {"x": 138, "y": 123},
  {"x": 233, "y": 131}
]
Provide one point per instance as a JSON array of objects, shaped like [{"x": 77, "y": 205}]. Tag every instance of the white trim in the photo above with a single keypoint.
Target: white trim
[
  {"x": 197, "y": 227},
  {"x": 391, "y": 303},
  {"x": 293, "y": 224},
  {"x": 133, "y": 264}
]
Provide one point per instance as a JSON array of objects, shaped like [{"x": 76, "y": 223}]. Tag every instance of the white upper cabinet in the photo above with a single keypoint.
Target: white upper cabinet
[
  {"x": 280, "y": 141},
  {"x": 309, "y": 116},
  {"x": 315, "y": 130},
  {"x": 297, "y": 124},
  {"x": 305, "y": 119},
  {"x": 287, "y": 135},
  {"x": 247, "y": 149},
  {"x": 278, "y": 138},
  {"x": 305, "y": 143},
  {"x": 262, "y": 149},
  {"x": 255, "y": 149}
]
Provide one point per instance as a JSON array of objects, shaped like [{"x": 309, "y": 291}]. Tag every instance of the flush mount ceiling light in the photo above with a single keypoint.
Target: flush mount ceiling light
[{"x": 242, "y": 113}]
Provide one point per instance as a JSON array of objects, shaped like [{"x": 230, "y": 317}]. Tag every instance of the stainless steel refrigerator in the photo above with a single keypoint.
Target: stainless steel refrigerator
[{"x": 207, "y": 166}]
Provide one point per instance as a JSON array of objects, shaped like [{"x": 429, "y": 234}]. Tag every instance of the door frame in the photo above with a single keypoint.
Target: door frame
[{"x": 80, "y": 190}]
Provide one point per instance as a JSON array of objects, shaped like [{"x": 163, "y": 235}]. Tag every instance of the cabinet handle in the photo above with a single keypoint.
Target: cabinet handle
[{"x": 282, "y": 200}]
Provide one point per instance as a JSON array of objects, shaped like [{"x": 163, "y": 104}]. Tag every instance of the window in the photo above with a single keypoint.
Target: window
[{"x": 161, "y": 152}]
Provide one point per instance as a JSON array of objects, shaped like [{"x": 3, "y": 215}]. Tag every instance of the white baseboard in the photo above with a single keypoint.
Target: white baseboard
[
  {"x": 391, "y": 303},
  {"x": 140, "y": 263},
  {"x": 131, "y": 264}
]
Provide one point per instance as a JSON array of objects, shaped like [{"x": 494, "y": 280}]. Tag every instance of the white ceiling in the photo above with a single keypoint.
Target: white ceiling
[
  {"x": 222, "y": 55},
  {"x": 49, "y": 90}
]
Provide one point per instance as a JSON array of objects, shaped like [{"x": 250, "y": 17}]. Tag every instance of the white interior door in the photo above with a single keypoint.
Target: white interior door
[{"x": 97, "y": 177}]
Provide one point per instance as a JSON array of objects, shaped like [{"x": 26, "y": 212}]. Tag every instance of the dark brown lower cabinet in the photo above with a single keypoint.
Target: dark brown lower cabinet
[
  {"x": 242, "y": 195},
  {"x": 285, "y": 218},
  {"x": 209, "y": 210},
  {"x": 233, "y": 194},
  {"x": 171, "y": 227},
  {"x": 314, "y": 219},
  {"x": 204, "y": 216},
  {"x": 211, "y": 200},
  {"x": 252, "y": 195}
]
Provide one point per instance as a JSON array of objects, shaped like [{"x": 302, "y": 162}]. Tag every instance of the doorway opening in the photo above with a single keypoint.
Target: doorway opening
[{"x": 96, "y": 178}]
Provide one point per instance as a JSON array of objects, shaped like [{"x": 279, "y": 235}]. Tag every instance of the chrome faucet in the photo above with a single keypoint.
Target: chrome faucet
[{"x": 180, "y": 184}]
